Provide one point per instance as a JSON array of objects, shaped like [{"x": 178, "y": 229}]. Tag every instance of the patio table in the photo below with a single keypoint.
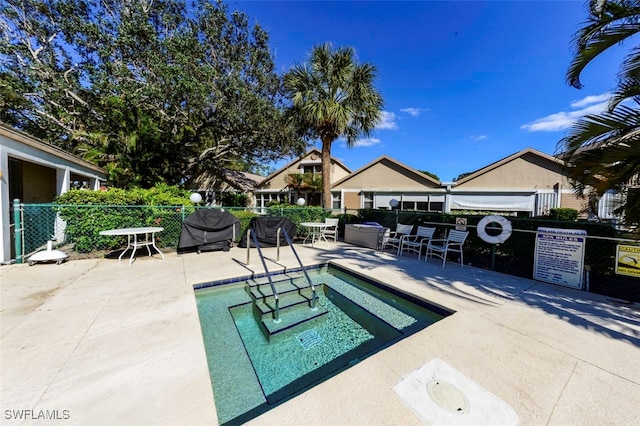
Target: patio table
[
  {"x": 132, "y": 239},
  {"x": 315, "y": 228}
]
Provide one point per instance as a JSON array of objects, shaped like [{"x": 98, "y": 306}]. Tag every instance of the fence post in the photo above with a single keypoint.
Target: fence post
[{"x": 17, "y": 229}]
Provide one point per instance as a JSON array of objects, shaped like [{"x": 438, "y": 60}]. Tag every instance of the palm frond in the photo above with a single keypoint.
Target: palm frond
[
  {"x": 609, "y": 25},
  {"x": 627, "y": 91},
  {"x": 603, "y": 151},
  {"x": 596, "y": 129}
]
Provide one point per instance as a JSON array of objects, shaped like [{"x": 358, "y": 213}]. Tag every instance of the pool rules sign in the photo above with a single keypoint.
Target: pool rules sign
[{"x": 559, "y": 257}]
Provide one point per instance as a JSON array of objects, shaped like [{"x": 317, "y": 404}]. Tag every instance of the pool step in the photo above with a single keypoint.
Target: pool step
[
  {"x": 262, "y": 289},
  {"x": 288, "y": 299},
  {"x": 295, "y": 305},
  {"x": 289, "y": 277},
  {"x": 290, "y": 317}
]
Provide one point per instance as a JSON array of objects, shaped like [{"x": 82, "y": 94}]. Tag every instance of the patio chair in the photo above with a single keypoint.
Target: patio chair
[
  {"x": 394, "y": 239},
  {"x": 414, "y": 243},
  {"x": 331, "y": 230},
  {"x": 453, "y": 243}
]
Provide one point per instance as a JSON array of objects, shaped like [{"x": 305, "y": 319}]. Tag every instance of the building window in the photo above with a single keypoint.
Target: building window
[
  {"x": 367, "y": 200},
  {"x": 408, "y": 205},
  {"x": 436, "y": 206},
  {"x": 315, "y": 169},
  {"x": 335, "y": 201},
  {"x": 277, "y": 197}
]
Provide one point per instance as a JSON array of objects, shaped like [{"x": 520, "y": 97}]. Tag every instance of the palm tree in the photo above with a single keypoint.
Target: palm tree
[
  {"x": 295, "y": 180},
  {"x": 332, "y": 96},
  {"x": 603, "y": 150},
  {"x": 314, "y": 183}
]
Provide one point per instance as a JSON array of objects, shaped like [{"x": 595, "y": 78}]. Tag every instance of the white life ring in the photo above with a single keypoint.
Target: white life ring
[{"x": 494, "y": 239}]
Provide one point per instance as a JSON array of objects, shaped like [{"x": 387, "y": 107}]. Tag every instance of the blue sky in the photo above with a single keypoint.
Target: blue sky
[{"x": 465, "y": 83}]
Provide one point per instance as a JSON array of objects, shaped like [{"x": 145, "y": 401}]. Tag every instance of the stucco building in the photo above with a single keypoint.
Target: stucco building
[{"x": 34, "y": 171}]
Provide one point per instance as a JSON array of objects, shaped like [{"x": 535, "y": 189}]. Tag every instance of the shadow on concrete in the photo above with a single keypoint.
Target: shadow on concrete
[{"x": 615, "y": 319}]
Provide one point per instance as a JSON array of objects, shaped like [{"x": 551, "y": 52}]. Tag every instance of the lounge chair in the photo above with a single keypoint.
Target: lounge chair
[
  {"x": 395, "y": 238},
  {"x": 414, "y": 243},
  {"x": 453, "y": 243}
]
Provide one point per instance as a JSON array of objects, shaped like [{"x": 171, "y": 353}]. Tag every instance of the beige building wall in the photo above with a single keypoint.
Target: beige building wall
[
  {"x": 351, "y": 200},
  {"x": 570, "y": 201},
  {"x": 529, "y": 171},
  {"x": 279, "y": 180},
  {"x": 386, "y": 176}
]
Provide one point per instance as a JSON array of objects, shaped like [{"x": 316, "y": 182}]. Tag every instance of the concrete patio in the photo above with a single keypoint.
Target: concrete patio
[{"x": 100, "y": 342}]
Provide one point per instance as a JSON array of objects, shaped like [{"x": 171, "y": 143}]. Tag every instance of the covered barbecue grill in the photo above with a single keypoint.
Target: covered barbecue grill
[
  {"x": 266, "y": 231},
  {"x": 207, "y": 230}
]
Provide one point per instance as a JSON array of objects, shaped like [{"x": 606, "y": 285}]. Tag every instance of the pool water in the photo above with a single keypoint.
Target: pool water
[{"x": 251, "y": 373}]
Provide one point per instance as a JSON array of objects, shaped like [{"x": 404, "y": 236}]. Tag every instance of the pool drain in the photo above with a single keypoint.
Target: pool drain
[
  {"x": 447, "y": 396},
  {"x": 309, "y": 339}
]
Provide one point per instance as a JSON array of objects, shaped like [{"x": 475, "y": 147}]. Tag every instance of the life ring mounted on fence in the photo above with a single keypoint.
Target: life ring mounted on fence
[{"x": 494, "y": 239}]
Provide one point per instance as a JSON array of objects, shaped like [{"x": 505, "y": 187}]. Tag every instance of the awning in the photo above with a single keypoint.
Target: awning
[{"x": 501, "y": 202}]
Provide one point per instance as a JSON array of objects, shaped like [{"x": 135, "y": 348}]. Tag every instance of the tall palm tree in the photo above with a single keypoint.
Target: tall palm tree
[
  {"x": 603, "y": 150},
  {"x": 332, "y": 96}
]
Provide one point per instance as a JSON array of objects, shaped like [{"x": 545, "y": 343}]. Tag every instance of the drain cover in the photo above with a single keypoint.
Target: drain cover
[
  {"x": 309, "y": 339},
  {"x": 447, "y": 396}
]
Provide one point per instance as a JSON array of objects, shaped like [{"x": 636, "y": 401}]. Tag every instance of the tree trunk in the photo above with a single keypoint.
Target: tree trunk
[{"x": 326, "y": 173}]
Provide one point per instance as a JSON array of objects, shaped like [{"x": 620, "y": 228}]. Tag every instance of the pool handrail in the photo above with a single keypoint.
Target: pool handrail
[
  {"x": 276, "y": 314},
  {"x": 314, "y": 295}
]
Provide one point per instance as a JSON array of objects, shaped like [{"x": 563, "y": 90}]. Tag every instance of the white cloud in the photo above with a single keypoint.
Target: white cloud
[
  {"x": 479, "y": 137},
  {"x": 564, "y": 119},
  {"x": 387, "y": 121},
  {"x": 359, "y": 142},
  {"x": 414, "y": 112},
  {"x": 367, "y": 142},
  {"x": 596, "y": 99}
]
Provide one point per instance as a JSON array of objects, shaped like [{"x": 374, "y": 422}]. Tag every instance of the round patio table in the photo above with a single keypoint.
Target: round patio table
[{"x": 315, "y": 228}]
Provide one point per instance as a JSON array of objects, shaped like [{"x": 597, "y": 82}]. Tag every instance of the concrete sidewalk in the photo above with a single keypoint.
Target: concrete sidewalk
[{"x": 101, "y": 342}]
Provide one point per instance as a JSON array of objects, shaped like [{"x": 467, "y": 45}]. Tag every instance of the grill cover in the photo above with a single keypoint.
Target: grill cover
[
  {"x": 207, "y": 226},
  {"x": 266, "y": 231}
]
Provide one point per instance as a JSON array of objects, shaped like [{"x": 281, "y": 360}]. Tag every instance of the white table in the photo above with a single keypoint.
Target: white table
[
  {"x": 149, "y": 239},
  {"x": 316, "y": 234}
]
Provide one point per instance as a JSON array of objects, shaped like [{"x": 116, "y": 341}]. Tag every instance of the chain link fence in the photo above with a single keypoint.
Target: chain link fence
[{"x": 79, "y": 225}]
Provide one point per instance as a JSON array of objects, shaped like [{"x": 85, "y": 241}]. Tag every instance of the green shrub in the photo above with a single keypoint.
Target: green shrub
[
  {"x": 563, "y": 214},
  {"x": 233, "y": 199},
  {"x": 299, "y": 214},
  {"x": 89, "y": 212},
  {"x": 245, "y": 218}
]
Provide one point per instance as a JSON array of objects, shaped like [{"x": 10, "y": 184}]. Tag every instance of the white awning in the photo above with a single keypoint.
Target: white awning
[
  {"x": 415, "y": 197},
  {"x": 504, "y": 202},
  {"x": 382, "y": 201}
]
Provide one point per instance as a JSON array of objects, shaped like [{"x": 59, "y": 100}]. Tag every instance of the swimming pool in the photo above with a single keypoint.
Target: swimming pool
[{"x": 252, "y": 372}]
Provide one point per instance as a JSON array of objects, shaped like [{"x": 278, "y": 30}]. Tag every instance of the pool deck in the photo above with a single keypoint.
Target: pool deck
[{"x": 100, "y": 342}]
